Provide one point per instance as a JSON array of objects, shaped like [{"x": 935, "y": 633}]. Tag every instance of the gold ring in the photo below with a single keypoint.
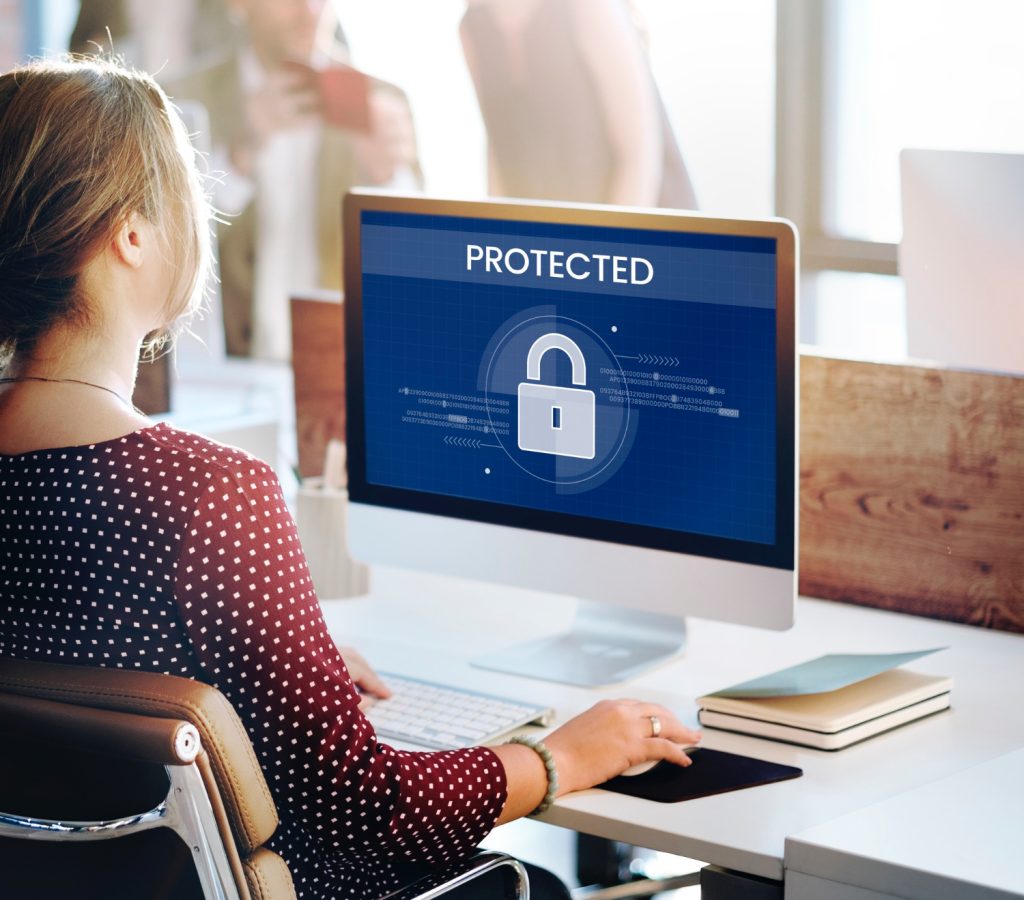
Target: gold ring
[{"x": 655, "y": 726}]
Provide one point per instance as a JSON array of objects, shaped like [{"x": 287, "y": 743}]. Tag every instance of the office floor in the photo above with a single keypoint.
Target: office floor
[{"x": 555, "y": 849}]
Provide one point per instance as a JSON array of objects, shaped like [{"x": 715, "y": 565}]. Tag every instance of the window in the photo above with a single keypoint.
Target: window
[
  {"x": 862, "y": 79},
  {"x": 946, "y": 75}
]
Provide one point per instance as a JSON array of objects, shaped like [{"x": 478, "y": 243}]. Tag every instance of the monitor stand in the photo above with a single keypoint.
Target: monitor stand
[{"x": 605, "y": 645}]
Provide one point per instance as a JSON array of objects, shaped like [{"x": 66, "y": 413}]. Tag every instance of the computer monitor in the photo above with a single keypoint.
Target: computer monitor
[{"x": 592, "y": 401}]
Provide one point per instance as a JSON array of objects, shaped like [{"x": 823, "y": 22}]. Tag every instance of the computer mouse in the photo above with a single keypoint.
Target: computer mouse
[{"x": 640, "y": 768}]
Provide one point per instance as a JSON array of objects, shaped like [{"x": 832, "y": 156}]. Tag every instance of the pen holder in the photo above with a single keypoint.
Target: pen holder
[{"x": 321, "y": 516}]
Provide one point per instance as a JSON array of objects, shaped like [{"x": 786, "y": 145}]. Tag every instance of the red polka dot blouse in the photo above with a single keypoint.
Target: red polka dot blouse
[{"x": 166, "y": 552}]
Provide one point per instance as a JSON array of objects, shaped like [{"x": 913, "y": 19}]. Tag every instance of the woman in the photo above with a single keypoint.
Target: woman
[{"x": 128, "y": 544}]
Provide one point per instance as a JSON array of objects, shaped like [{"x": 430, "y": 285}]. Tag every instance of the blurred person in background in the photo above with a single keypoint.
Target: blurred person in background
[
  {"x": 283, "y": 164},
  {"x": 570, "y": 105},
  {"x": 166, "y": 38},
  {"x": 100, "y": 24}
]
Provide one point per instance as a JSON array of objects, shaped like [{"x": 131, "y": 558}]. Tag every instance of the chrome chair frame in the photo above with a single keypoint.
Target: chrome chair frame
[
  {"x": 462, "y": 873},
  {"x": 187, "y": 810}
]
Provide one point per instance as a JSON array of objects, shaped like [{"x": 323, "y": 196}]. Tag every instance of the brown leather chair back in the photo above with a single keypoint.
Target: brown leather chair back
[{"x": 89, "y": 743}]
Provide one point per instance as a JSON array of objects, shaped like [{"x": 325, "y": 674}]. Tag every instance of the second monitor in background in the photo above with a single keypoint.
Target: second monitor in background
[
  {"x": 961, "y": 259},
  {"x": 583, "y": 400}
]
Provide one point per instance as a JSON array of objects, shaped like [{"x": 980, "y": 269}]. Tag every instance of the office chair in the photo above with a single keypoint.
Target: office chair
[{"x": 151, "y": 787}]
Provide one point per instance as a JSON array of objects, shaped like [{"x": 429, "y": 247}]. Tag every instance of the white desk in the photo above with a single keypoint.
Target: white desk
[
  {"x": 961, "y": 836},
  {"x": 431, "y": 627}
]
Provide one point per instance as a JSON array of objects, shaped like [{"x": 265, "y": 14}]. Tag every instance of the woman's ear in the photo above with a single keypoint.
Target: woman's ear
[{"x": 131, "y": 239}]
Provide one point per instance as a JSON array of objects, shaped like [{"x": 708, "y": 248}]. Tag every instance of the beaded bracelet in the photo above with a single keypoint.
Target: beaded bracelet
[{"x": 549, "y": 767}]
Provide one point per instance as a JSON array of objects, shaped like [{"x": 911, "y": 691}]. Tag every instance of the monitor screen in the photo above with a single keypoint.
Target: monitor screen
[{"x": 613, "y": 377}]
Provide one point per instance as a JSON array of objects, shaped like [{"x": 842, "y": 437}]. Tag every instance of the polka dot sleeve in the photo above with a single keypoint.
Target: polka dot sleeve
[{"x": 258, "y": 635}]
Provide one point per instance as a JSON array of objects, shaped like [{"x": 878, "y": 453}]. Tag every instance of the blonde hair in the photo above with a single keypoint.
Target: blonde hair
[{"x": 83, "y": 145}]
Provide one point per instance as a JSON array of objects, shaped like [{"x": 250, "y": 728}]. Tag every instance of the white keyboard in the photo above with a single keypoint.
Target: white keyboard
[{"x": 442, "y": 717}]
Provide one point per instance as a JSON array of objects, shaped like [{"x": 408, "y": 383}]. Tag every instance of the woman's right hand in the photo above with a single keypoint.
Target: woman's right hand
[{"x": 613, "y": 735}]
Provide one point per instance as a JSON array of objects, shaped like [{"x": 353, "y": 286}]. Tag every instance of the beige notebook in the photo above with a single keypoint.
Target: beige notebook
[{"x": 834, "y": 719}]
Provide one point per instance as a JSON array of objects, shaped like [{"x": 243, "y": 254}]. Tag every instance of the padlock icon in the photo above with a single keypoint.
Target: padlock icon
[{"x": 556, "y": 420}]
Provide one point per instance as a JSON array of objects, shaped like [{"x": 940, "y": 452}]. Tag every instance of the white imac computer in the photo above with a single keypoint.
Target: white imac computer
[{"x": 585, "y": 400}]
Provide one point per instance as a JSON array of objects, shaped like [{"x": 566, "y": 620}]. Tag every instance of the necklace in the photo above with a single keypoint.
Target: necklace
[{"x": 66, "y": 381}]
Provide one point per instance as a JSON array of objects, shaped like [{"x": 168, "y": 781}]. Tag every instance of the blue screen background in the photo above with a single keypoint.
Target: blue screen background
[{"x": 680, "y": 470}]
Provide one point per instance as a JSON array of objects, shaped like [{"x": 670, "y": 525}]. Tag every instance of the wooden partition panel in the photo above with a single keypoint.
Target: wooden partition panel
[
  {"x": 318, "y": 360},
  {"x": 912, "y": 489}
]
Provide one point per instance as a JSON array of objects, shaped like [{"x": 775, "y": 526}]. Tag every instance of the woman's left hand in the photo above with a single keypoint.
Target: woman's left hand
[{"x": 368, "y": 681}]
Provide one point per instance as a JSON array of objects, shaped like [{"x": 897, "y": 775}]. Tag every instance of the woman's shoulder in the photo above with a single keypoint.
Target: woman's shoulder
[
  {"x": 150, "y": 473},
  {"x": 203, "y": 452},
  {"x": 203, "y": 468}
]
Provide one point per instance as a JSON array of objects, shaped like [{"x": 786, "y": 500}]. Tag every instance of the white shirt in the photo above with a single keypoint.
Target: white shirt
[{"x": 284, "y": 185}]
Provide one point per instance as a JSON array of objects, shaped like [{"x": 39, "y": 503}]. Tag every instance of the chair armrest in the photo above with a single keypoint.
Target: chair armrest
[
  {"x": 151, "y": 739},
  {"x": 437, "y": 884}
]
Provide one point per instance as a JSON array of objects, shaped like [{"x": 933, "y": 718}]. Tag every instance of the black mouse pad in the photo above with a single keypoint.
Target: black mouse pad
[{"x": 712, "y": 772}]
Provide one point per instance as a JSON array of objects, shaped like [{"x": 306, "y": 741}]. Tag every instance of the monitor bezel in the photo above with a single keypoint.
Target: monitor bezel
[{"x": 780, "y": 555}]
